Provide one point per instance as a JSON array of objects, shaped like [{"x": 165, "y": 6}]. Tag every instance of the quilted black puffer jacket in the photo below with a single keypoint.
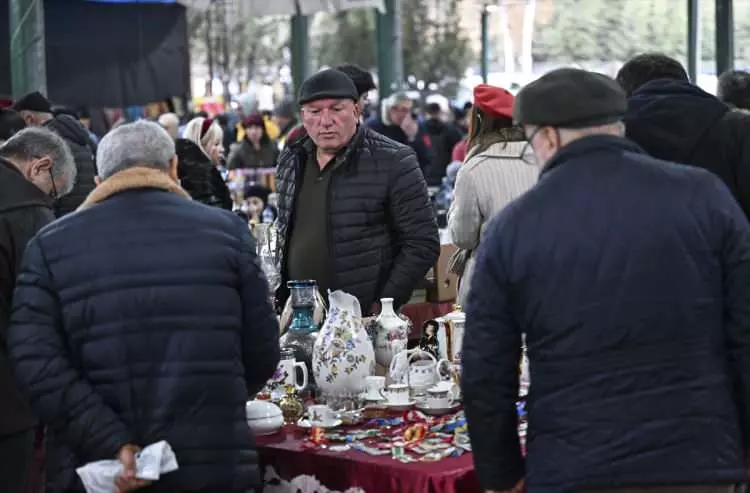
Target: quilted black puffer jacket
[
  {"x": 381, "y": 225},
  {"x": 162, "y": 333}
]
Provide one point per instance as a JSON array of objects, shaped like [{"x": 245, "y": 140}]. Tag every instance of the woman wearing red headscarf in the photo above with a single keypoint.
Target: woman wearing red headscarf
[{"x": 498, "y": 168}]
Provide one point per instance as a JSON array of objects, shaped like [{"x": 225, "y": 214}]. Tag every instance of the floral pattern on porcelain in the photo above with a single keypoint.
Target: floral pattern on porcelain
[
  {"x": 392, "y": 333},
  {"x": 343, "y": 355}
]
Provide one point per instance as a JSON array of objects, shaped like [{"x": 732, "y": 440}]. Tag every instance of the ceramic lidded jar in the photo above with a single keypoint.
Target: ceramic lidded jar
[
  {"x": 343, "y": 354},
  {"x": 392, "y": 333}
]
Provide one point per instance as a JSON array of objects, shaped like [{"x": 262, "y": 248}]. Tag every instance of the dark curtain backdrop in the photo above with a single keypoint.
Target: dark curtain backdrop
[{"x": 115, "y": 55}]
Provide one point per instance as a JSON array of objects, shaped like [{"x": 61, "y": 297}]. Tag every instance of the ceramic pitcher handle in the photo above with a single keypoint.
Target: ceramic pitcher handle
[
  {"x": 301, "y": 365},
  {"x": 440, "y": 364}
]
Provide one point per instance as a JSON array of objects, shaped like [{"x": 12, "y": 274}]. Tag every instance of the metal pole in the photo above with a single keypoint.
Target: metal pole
[
  {"x": 300, "y": 49},
  {"x": 724, "y": 36},
  {"x": 389, "y": 74},
  {"x": 27, "y": 47},
  {"x": 693, "y": 39},
  {"x": 485, "y": 61}
]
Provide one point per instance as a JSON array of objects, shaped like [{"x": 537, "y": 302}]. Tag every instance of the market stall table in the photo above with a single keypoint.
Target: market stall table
[{"x": 286, "y": 454}]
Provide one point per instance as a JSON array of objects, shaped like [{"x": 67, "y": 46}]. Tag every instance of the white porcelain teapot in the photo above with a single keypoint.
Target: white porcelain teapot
[{"x": 415, "y": 367}]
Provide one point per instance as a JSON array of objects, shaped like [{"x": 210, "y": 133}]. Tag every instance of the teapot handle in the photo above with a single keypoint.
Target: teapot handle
[{"x": 419, "y": 352}]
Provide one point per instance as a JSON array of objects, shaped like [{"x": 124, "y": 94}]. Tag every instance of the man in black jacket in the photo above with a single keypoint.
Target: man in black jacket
[
  {"x": 630, "y": 279},
  {"x": 144, "y": 317},
  {"x": 354, "y": 213},
  {"x": 37, "y": 111},
  {"x": 677, "y": 121},
  {"x": 35, "y": 166},
  {"x": 398, "y": 122},
  {"x": 442, "y": 137}
]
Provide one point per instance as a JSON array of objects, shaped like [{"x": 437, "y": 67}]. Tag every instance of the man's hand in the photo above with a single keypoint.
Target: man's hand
[
  {"x": 127, "y": 481},
  {"x": 410, "y": 128},
  {"x": 520, "y": 487}
]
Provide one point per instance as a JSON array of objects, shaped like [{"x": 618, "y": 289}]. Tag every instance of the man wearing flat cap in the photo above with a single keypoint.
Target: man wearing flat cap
[
  {"x": 354, "y": 213},
  {"x": 630, "y": 279},
  {"x": 37, "y": 112}
]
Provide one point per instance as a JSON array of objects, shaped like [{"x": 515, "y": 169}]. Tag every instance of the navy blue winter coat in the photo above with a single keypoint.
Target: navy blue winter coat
[
  {"x": 142, "y": 318},
  {"x": 631, "y": 279}
]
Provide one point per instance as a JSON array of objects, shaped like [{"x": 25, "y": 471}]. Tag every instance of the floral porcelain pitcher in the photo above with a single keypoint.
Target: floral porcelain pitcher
[
  {"x": 343, "y": 354},
  {"x": 392, "y": 333}
]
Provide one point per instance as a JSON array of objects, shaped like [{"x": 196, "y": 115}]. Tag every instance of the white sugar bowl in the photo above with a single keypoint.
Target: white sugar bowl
[{"x": 263, "y": 417}]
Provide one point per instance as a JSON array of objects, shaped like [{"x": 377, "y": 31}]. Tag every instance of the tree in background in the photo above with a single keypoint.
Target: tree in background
[
  {"x": 236, "y": 50},
  {"x": 345, "y": 38},
  {"x": 437, "y": 51}
]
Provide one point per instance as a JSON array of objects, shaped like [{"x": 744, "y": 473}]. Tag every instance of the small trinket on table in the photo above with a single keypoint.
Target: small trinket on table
[{"x": 291, "y": 406}]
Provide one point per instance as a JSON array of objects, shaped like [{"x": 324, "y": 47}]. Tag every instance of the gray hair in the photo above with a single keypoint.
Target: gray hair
[
  {"x": 390, "y": 102},
  {"x": 38, "y": 142},
  {"x": 141, "y": 143}
]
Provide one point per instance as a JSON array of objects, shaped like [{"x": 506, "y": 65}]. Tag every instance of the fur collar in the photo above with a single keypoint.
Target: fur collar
[{"x": 132, "y": 179}]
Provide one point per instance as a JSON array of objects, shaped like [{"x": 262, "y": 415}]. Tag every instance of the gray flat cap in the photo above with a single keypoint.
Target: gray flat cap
[{"x": 570, "y": 98}]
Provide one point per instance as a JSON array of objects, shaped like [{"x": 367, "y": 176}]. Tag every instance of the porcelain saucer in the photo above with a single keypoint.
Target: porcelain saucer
[
  {"x": 304, "y": 423},
  {"x": 438, "y": 411},
  {"x": 399, "y": 407}
]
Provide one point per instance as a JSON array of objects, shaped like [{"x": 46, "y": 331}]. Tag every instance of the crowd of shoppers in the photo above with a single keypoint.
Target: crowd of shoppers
[{"x": 601, "y": 226}]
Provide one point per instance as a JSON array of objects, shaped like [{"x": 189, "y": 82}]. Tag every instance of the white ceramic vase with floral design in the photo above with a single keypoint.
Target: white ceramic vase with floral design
[
  {"x": 343, "y": 354},
  {"x": 392, "y": 333}
]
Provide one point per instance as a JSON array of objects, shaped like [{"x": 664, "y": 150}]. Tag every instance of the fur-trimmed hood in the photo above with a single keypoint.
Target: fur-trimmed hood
[{"x": 131, "y": 179}]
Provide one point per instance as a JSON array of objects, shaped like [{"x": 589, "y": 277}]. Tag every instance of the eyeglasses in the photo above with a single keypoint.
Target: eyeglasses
[
  {"x": 527, "y": 153},
  {"x": 53, "y": 194}
]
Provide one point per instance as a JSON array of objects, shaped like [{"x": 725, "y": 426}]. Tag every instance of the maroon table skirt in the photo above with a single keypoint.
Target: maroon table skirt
[{"x": 374, "y": 474}]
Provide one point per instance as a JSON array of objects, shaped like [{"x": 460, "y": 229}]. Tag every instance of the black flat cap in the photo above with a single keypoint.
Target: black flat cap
[
  {"x": 570, "y": 98},
  {"x": 327, "y": 84},
  {"x": 33, "y": 101}
]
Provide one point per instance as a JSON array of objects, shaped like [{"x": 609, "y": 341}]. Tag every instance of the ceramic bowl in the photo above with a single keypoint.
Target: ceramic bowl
[{"x": 263, "y": 417}]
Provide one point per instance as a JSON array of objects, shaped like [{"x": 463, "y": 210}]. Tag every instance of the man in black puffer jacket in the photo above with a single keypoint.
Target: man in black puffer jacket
[
  {"x": 37, "y": 111},
  {"x": 354, "y": 213},
  {"x": 677, "y": 121},
  {"x": 144, "y": 317}
]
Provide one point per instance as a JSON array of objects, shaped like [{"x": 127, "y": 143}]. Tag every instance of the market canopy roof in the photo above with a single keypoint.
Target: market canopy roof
[{"x": 263, "y": 8}]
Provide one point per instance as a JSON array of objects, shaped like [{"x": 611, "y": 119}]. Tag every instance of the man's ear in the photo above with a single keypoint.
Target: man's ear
[
  {"x": 172, "y": 172},
  {"x": 97, "y": 180}
]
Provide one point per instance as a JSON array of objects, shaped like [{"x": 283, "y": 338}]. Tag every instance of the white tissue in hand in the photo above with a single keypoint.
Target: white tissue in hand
[{"x": 150, "y": 463}]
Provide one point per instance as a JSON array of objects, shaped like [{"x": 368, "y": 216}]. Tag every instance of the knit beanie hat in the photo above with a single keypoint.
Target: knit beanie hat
[{"x": 327, "y": 84}]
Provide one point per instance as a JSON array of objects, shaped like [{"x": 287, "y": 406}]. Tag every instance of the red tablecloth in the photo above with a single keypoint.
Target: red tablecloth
[
  {"x": 419, "y": 313},
  {"x": 374, "y": 474}
]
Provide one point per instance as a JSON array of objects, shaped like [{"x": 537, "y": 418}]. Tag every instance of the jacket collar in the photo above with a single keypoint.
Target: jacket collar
[
  {"x": 504, "y": 150},
  {"x": 135, "y": 178},
  {"x": 345, "y": 156},
  {"x": 17, "y": 192},
  {"x": 590, "y": 144}
]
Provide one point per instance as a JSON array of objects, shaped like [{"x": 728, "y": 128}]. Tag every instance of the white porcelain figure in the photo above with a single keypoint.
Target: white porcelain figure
[
  {"x": 392, "y": 333},
  {"x": 343, "y": 354}
]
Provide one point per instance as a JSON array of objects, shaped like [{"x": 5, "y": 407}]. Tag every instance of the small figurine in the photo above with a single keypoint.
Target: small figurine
[
  {"x": 429, "y": 341},
  {"x": 291, "y": 406}
]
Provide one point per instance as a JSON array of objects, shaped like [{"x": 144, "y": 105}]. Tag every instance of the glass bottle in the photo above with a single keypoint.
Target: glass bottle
[
  {"x": 264, "y": 248},
  {"x": 302, "y": 332}
]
